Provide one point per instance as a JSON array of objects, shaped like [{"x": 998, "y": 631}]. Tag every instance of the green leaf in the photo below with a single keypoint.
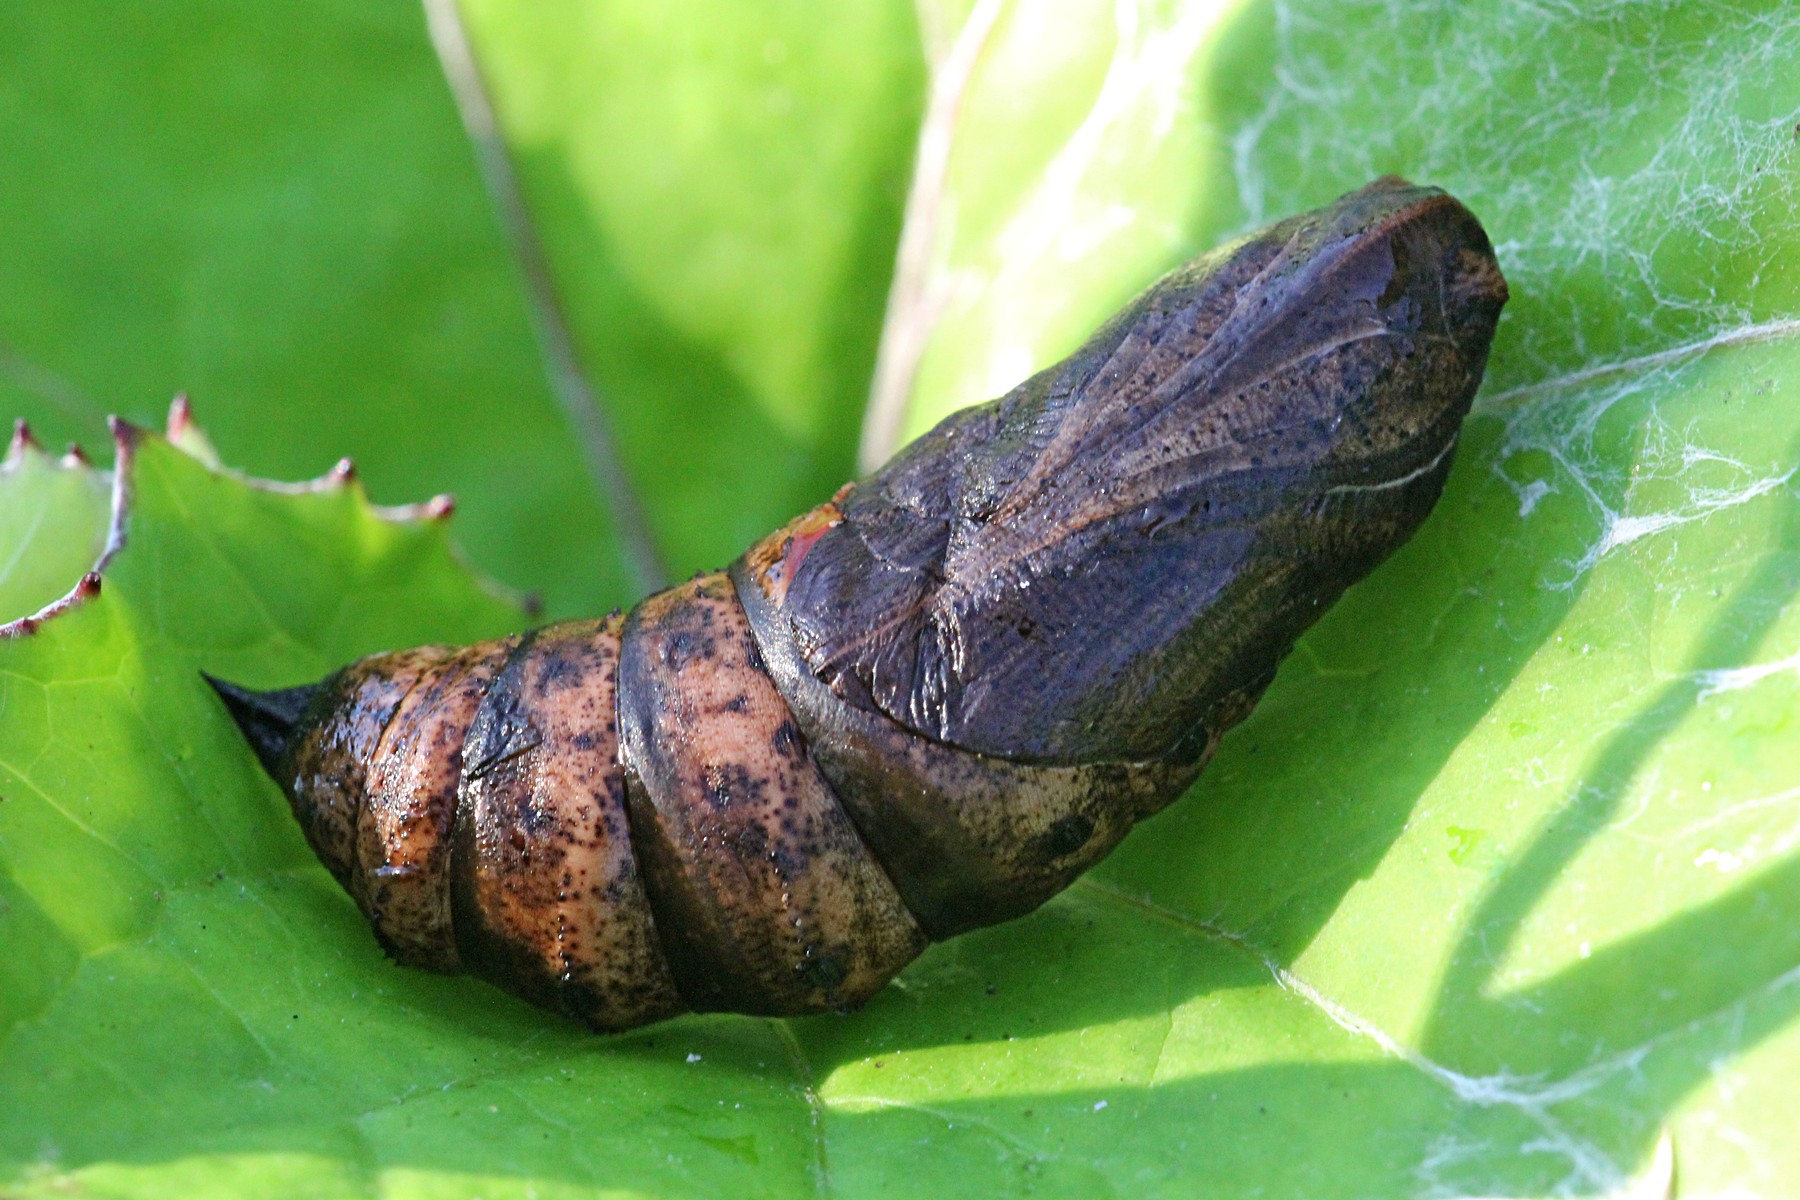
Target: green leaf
[
  {"x": 718, "y": 188},
  {"x": 53, "y": 520},
  {"x": 1497, "y": 892}
]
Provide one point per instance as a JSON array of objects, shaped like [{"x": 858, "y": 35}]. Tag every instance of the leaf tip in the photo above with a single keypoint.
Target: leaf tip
[
  {"x": 181, "y": 417},
  {"x": 183, "y": 432},
  {"x": 125, "y": 435},
  {"x": 22, "y": 443}
]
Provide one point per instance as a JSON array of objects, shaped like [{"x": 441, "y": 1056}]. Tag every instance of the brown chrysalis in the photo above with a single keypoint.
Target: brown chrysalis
[{"x": 933, "y": 701}]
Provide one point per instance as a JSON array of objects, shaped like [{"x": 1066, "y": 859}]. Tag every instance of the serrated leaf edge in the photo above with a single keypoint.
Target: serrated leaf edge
[
  {"x": 23, "y": 446},
  {"x": 183, "y": 433}
]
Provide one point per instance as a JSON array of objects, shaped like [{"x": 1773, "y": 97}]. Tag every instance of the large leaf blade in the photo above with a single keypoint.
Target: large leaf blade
[{"x": 1494, "y": 895}]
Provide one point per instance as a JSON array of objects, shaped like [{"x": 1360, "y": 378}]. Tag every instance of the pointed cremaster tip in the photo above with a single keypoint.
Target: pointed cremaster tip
[{"x": 267, "y": 719}]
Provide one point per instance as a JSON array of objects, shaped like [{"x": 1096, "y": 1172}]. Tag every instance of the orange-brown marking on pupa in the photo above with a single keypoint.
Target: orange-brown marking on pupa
[
  {"x": 546, "y": 892},
  {"x": 402, "y": 879},
  {"x": 326, "y": 775},
  {"x": 777, "y": 558},
  {"x": 767, "y": 900}
]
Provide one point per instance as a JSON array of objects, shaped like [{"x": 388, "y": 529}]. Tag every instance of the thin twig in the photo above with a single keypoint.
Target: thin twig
[
  {"x": 912, "y": 309},
  {"x": 580, "y": 402}
]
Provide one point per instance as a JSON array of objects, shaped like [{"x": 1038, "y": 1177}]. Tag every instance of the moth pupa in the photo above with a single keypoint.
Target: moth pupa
[{"x": 930, "y": 703}]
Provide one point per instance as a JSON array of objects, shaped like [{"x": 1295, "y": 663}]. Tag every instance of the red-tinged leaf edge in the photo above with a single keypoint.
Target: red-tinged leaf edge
[{"x": 184, "y": 433}]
